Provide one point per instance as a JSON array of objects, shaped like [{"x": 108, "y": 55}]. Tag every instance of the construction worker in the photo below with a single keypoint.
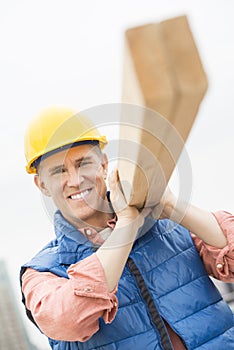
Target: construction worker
[{"x": 101, "y": 284}]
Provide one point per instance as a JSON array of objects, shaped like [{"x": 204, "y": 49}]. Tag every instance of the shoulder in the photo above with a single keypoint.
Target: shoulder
[
  {"x": 164, "y": 230},
  {"x": 45, "y": 259},
  {"x": 161, "y": 226},
  {"x": 168, "y": 226}
]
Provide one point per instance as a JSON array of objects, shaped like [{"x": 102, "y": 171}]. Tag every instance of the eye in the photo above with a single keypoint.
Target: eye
[
  {"x": 58, "y": 171},
  {"x": 85, "y": 163}
]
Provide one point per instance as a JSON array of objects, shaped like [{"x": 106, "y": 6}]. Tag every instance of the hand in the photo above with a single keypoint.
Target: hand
[
  {"x": 121, "y": 208},
  {"x": 165, "y": 207},
  {"x": 124, "y": 212}
]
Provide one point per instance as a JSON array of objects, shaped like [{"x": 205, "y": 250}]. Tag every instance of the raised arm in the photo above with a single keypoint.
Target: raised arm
[
  {"x": 200, "y": 222},
  {"x": 114, "y": 253}
]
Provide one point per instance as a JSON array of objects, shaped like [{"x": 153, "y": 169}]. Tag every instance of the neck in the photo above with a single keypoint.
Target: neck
[{"x": 100, "y": 222}]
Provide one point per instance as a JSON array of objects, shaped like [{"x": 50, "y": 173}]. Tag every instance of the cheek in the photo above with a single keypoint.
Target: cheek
[
  {"x": 56, "y": 188},
  {"x": 96, "y": 176}
]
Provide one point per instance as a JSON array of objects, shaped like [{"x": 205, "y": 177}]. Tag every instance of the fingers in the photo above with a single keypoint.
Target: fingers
[
  {"x": 117, "y": 198},
  {"x": 126, "y": 214},
  {"x": 113, "y": 179}
]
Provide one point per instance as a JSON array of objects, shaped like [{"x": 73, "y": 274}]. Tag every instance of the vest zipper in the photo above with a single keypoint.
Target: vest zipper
[{"x": 154, "y": 314}]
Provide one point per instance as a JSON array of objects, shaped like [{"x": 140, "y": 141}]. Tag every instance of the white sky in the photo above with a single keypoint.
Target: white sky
[{"x": 57, "y": 52}]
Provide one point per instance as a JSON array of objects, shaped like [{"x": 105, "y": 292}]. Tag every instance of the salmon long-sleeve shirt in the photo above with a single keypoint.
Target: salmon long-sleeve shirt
[{"x": 54, "y": 301}]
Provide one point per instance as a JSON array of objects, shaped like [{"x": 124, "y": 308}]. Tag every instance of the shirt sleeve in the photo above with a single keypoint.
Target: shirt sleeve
[
  {"x": 69, "y": 309},
  {"x": 219, "y": 262}
]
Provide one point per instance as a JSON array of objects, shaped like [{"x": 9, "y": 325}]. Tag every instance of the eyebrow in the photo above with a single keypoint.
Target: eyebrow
[{"x": 77, "y": 161}]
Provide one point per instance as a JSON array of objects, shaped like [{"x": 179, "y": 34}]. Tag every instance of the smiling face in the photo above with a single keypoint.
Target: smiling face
[{"x": 75, "y": 179}]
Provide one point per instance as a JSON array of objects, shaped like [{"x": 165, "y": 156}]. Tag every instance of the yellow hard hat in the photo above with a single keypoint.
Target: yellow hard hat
[{"x": 55, "y": 128}]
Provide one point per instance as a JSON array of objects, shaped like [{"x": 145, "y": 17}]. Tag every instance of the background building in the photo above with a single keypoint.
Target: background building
[{"x": 12, "y": 333}]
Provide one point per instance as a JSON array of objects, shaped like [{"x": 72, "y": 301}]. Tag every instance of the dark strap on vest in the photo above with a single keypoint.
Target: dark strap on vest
[{"x": 155, "y": 316}]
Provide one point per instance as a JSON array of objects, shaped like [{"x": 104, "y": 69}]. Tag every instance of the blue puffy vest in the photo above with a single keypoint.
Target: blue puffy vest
[{"x": 176, "y": 282}]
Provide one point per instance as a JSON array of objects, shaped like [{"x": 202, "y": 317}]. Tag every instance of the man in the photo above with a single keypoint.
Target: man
[{"x": 113, "y": 278}]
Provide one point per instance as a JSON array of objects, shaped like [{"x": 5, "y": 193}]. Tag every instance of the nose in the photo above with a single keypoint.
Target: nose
[{"x": 75, "y": 177}]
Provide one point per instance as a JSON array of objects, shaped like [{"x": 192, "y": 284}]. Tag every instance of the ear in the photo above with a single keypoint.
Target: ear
[
  {"x": 41, "y": 185},
  {"x": 105, "y": 165}
]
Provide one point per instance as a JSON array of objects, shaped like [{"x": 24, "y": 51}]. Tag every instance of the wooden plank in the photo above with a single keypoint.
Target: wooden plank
[{"x": 162, "y": 72}]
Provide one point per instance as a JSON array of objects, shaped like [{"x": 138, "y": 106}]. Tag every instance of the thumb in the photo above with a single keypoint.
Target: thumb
[{"x": 116, "y": 195}]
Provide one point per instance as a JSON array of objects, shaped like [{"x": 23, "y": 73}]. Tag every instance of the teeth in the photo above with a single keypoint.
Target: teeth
[{"x": 80, "y": 195}]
